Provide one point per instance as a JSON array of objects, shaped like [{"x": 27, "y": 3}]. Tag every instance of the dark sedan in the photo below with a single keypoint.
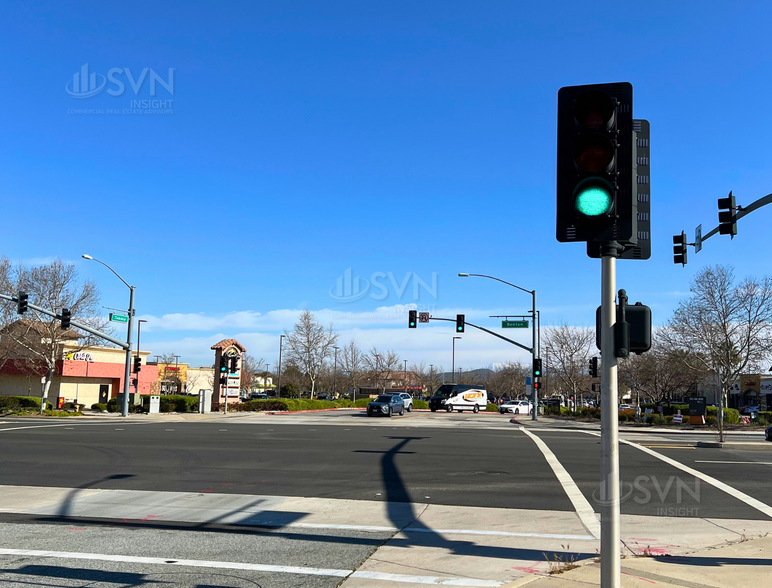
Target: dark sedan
[
  {"x": 768, "y": 433},
  {"x": 386, "y": 405}
]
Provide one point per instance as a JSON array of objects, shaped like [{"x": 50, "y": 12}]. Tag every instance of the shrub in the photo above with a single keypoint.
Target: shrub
[
  {"x": 73, "y": 406},
  {"x": 711, "y": 421},
  {"x": 112, "y": 405},
  {"x": 61, "y": 413},
  {"x": 421, "y": 404},
  {"x": 17, "y": 402},
  {"x": 98, "y": 406}
]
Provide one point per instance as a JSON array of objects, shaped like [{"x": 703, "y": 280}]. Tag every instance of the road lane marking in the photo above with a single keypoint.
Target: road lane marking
[
  {"x": 582, "y": 506},
  {"x": 734, "y": 462},
  {"x": 2, "y": 430},
  {"x": 426, "y": 580},
  {"x": 733, "y": 492},
  {"x": 376, "y": 529}
]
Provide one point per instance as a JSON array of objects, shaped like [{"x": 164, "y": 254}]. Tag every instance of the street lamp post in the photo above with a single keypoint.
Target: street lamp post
[
  {"x": 278, "y": 391},
  {"x": 129, "y": 334},
  {"x": 534, "y": 345},
  {"x": 265, "y": 379},
  {"x": 177, "y": 374},
  {"x": 139, "y": 326},
  {"x": 453, "y": 368},
  {"x": 335, "y": 374},
  {"x": 431, "y": 379}
]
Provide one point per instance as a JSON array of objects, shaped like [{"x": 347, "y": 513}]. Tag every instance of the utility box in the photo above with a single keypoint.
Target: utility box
[
  {"x": 204, "y": 401},
  {"x": 155, "y": 405}
]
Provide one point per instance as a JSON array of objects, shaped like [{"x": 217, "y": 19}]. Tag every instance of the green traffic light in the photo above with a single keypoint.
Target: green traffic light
[{"x": 593, "y": 200}]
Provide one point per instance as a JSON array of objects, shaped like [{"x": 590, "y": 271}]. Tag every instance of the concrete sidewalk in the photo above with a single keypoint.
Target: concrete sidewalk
[{"x": 744, "y": 563}]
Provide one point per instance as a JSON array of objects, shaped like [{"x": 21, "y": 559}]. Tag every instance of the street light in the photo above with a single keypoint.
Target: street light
[
  {"x": 453, "y": 369},
  {"x": 405, "y": 385},
  {"x": 335, "y": 373},
  {"x": 127, "y": 372},
  {"x": 278, "y": 391},
  {"x": 534, "y": 316}
]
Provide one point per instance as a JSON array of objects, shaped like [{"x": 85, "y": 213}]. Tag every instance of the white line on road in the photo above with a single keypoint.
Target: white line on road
[
  {"x": 734, "y": 462},
  {"x": 62, "y": 425},
  {"x": 438, "y": 531},
  {"x": 741, "y": 496},
  {"x": 430, "y": 580},
  {"x": 582, "y": 506}
]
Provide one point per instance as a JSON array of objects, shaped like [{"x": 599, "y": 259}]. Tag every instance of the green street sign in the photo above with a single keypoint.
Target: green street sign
[
  {"x": 119, "y": 318},
  {"x": 514, "y": 324}
]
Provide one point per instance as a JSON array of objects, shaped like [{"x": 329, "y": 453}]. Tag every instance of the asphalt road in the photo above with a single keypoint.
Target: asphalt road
[
  {"x": 452, "y": 466},
  {"x": 454, "y": 460}
]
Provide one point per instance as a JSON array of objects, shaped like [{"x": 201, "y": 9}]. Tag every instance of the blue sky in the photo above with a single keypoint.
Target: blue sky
[{"x": 411, "y": 139}]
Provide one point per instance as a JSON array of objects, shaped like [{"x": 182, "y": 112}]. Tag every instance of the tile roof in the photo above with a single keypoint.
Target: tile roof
[{"x": 225, "y": 343}]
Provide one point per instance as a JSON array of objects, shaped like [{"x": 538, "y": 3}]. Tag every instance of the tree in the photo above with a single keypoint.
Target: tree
[
  {"x": 722, "y": 327},
  {"x": 659, "y": 374},
  {"x": 168, "y": 373},
  {"x": 253, "y": 372},
  {"x": 352, "y": 365},
  {"x": 508, "y": 380},
  {"x": 568, "y": 350},
  {"x": 309, "y": 345},
  {"x": 380, "y": 366},
  {"x": 37, "y": 340}
]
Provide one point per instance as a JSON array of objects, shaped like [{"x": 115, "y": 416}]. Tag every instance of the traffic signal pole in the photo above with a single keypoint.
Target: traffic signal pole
[
  {"x": 610, "y": 554},
  {"x": 127, "y": 372},
  {"x": 534, "y": 388}
]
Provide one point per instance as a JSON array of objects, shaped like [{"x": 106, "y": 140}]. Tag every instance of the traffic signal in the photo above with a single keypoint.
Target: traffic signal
[
  {"x": 537, "y": 386},
  {"x": 22, "y": 303},
  {"x": 223, "y": 364},
  {"x": 537, "y": 367},
  {"x": 412, "y": 318},
  {"x": 594, "y": 367},
  {"x": 66, "y": 316},
  {"x": 137, "y": 363},
  {"x": 595, "y": 164},
  {"x": 727, "y": 223},
  {"x": 234, "y": 363},
  {"x": 223, "y": 381},
  {"x": 679, "y": 248},
  {"x": 459, "y": 323}
]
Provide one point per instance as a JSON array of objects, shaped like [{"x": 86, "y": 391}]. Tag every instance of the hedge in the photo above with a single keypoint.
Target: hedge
[
  {"x": 17, "y": 402},
  {"x": 98, "y": 406}
]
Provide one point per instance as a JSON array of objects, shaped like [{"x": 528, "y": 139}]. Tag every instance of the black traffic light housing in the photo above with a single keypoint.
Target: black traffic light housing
[
  {"x": 460, "y": 323},
  {"x": 234, "y": 364},
  {"x": 223, "y": 364},
  {"x": 66, "y": 316},
  {"x": 726, "y": 209},
  {"x": 223, "y": 381},
  {"x": 638, "y": 319},
  {"x": 594, "y": 367},
  {"x": 137, "y": 363},
  {"x": 537, "y": 367},
  {"x": 22, "y": 303},
  {"x": 679, "y": 248},
  {"x": 412, "y": 319},
  {"x": 595, "y": 164}
]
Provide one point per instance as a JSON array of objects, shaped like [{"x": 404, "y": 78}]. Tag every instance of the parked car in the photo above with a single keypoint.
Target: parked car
[
  {"x": 516, "y": 407},
  {"x": 626, "y": 407},
  {"x": 750, "y": 409},
  {"x": 407, "y": 400},
  {"x": 258, "y": 396},
  {"x": 768, "y": 433},
  {"x": 459, "y": 397},
  {"x": 386, "y": 405}
]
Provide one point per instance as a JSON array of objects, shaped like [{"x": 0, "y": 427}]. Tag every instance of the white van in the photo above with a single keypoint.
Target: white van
[{"x": 459, "y": 397}]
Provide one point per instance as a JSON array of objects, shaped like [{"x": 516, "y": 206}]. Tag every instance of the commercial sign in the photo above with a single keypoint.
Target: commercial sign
[{"x": 80, "y": 356}]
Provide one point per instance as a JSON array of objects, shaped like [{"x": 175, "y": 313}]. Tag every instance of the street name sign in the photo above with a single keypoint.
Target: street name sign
[
  {"x": 514, "y": 324},
  {"x": 119, "y": 318}
]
